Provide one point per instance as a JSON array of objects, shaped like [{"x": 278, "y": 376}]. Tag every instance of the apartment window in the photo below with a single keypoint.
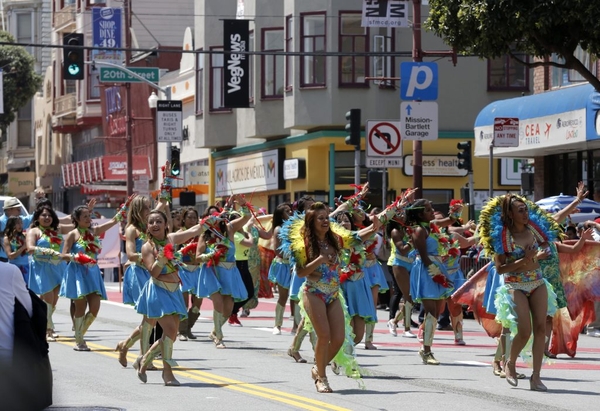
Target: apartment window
[
  {"x": 272, "y": 65},
  {"x": 563, "y": 77},
  {"x": 312, "y": 39},
  {"x": 289, "y": 47},
  {"x": 352, "y": 39},
  {"x": 383, "y": 66},
  {"x": 506, "y": 73},
  {"x": 199, "y": 83},
  {"x": 217, "y": 74},
  {"x": 25, "y": 30},
  {"x": 24, "y": 130}
]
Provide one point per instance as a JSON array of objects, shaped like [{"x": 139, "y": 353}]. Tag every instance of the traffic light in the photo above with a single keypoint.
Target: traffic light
[
  {"x": 353, "y": 127},
  {"x": 73, "y": 56},
  {"x": 175, "y": 162},
  {"x": 464, "y": 156}
]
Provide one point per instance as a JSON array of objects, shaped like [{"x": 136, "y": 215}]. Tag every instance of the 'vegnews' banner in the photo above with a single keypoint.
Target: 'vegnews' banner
[{"x": 236, "y": 37}]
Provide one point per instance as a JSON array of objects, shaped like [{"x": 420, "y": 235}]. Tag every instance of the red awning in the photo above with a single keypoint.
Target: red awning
[{"x": 104, "y": 169}]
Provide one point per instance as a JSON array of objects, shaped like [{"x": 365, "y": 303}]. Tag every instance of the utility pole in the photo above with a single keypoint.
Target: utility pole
[
  {"x": 417, "y": 55},
  {"x": 129, "y": 136}
]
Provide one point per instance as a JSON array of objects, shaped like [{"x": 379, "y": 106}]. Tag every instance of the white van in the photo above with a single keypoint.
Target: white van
[{"x": 22, "y": 207}]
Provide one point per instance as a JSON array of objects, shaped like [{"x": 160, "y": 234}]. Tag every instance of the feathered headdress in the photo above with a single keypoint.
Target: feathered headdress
[{"x": 495, "y": 237}]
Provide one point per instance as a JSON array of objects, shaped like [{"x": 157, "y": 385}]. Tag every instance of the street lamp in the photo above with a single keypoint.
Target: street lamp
[{"x": 153, "y": 100}]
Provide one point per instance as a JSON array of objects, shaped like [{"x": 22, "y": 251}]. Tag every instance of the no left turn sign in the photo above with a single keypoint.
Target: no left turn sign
[{"x": 383, "y": 138}]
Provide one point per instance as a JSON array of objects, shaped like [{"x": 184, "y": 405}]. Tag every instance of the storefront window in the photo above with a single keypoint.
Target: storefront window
[
  {"x": 563, "y": 172},
  {"x": 344, "y": 167},
  {"x": 277, "y": 199},
  {"x": 440, "y": 199}
]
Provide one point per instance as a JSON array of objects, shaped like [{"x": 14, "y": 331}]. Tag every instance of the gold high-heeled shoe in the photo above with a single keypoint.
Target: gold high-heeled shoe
[
  {"x": 296, "y": 356},
  {"x": 537, "y": 387},
  {"x": 314, "y": 373},
  {"x": 170, "y": 383},
  {"x": 512, "y": 377},
  {"x": 122, "y": 349},
  {"x": 496, "y": 368},
  {"x": 322, "y": 385}
]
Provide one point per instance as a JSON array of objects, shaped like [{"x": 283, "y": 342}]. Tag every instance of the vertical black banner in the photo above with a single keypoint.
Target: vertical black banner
[{"x": 236, "y": 35}]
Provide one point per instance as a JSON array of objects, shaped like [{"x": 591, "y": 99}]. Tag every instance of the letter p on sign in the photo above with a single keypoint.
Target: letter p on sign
[{"x": 418, "y": 81}]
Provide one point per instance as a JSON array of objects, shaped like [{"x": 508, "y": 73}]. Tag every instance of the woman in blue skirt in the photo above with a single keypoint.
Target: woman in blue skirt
[
  {"x": 279, "y": 271},
  {"x": 83, "y": 282},
  {"x": 47, "y": 266},
  {"x": 161, "y": 298},
  {"x": 15, "y": 246},
  {"x": 429, "y": 281},
  {"x": 356, "y": 286},
  {"x": 220, "y": 279},
  {"x": 136, "y": 275},
  {"x": 189, "y": 277}
]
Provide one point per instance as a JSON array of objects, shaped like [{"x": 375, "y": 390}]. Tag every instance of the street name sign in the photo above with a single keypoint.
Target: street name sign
[{"x": 116, "y": 75}]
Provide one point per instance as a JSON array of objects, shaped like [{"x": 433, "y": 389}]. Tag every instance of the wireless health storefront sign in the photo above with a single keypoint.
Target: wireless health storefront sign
[{"x": 236, "y": 37}]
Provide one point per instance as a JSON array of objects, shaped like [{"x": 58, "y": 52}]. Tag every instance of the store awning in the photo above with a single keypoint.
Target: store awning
[
  {"x": 104, "y": 169},
  {"x": 91, "y": 189},
  {"x": 549, "y": 123}
]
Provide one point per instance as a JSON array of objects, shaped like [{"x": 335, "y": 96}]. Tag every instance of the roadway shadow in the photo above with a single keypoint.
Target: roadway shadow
[
  {"x": 572, "y": 392},
  {"x": 373, "y": 392},
  {"x": 565, "y": 379}
]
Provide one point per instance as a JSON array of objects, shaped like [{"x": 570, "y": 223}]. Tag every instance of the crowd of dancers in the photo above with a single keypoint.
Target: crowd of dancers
[{"x": 325, "y": 262}]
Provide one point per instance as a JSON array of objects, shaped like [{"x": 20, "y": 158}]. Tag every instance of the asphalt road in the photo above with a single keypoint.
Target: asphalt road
[{"x": 255, "y": 373}]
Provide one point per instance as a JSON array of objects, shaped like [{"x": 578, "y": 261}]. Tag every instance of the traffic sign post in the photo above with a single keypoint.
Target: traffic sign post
[
  {"x": 384, "y": 144},
  {"x": 169, "y": 118},
  {"x": 418, "y": 81},
  {"x": 419, "y": 120},
  {"x": 116, "y": 75},
  {"x": 506, "y": 132}
]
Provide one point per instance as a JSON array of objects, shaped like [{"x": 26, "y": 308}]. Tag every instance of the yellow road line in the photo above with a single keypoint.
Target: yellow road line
[{"x": 235, "y": 385}]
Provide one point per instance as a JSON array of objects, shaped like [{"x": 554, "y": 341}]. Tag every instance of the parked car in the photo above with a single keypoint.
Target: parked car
[{"x": 24, "y": 211}]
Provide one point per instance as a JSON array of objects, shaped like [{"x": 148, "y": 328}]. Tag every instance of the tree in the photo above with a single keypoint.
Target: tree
[
  {"x": 20, "y": 80},
  {"x": 539, "y": 28}
]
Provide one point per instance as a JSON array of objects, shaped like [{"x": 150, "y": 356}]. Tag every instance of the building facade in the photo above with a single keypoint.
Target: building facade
[
  {"x": 29, "y": 21},
  {"x": 298, "y": 103},
  {"x": 80, "y": 136},
  {"x": 559, "y": 129}
]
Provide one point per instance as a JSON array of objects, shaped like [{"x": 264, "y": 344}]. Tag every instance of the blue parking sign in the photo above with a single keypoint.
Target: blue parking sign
[{"x": 418, "y": 81}]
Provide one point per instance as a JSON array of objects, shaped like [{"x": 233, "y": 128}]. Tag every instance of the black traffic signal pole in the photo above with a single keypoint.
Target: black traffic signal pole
[
  {"x": 73, "y": 59},
  {"x": 353, "y": 138},
  {"x": 466, "y": 163}
]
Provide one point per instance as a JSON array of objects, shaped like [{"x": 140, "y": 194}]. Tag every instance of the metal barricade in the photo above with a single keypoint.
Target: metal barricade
[{"x": 470, "y": 266}]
